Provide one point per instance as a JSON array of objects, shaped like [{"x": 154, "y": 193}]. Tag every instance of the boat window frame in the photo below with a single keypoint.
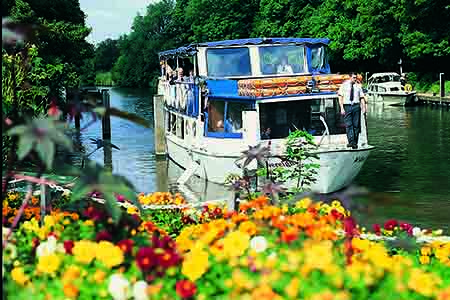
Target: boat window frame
[{"x": 223, "y": 134}]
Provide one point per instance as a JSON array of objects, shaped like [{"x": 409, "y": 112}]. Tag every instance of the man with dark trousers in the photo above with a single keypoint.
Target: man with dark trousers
[{"x": 351, "y": 97}]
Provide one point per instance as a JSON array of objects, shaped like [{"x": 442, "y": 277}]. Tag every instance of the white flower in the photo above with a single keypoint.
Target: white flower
[
  {"x": 119, "y": 287},
  {"x": 140, "y": 290},
  {"x": 9, "y": 253},
  {"x": 258, "y": 244},
  {"x": 49, "y": 247},
  {"x": 416, "y": 231}
]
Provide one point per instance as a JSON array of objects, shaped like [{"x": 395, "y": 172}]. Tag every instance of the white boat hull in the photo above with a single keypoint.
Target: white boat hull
[
  {"x": 393, "y": 98},
  {"x": 338, "y": 167}
]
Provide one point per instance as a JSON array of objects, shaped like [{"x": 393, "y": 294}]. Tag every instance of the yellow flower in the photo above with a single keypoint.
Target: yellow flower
[
  {"x": 48, "y": 264},
  {"x": 248, "y": 227},
  {"x": 292, "y": 288},
  {"x": 19, "y": 276},
  {"x": 49, "y": 221},
  {"x": 235, "y": 243},
  {"x": 99, "y": 276},
  {"x": 425, "y": 250},
  {"x": 424, "y": 259},
  {"x": 195, "y": 264},
  {"x": 84, "y": 251},
  {"x": 304, "y": 203},
  {"x": 109, "y": 254},
  {"x": 89, "y": 223},
  {"x": 423, "y": 283}
]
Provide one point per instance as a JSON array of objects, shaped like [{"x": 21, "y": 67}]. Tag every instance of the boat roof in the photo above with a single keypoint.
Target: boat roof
[
  {"x": 384, "y": 74},
  {"x": 192, "y": 48}
]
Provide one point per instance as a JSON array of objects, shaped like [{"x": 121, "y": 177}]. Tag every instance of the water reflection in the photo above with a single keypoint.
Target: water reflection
[{"x": 407, "y": 175}]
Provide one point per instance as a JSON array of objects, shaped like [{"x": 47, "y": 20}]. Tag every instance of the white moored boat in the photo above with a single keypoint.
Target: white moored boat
[
  {"x": 237, "y": 89},
  {"x": 386, "y": 88}
]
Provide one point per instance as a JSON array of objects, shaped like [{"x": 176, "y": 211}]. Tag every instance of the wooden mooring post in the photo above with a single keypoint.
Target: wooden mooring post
[
  {"x": 106, "y": 120},
  {"x": 159, "y": 131}
]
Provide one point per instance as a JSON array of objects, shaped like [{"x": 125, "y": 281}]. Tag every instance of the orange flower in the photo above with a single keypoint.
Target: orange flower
[
  {"x": 70, "y": 290},
  {"x": 34, "y": 200},
  {"x": 289, "y": 235}
]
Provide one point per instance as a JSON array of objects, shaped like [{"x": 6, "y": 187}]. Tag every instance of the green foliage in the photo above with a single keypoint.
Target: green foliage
[
  {"x": 42, "y": 135},
  {"x": 106, "y": 54}
]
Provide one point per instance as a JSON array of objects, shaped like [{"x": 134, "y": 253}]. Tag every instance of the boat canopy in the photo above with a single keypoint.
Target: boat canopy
[{"x": 192, "y": 49}]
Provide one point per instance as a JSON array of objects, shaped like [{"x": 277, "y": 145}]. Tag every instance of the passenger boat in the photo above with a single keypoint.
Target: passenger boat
[
  {"x": 221, "y": 96},
  {"x": 386, "y": 88}
]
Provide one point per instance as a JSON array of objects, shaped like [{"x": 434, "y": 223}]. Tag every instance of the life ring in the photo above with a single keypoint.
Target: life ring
[{"x": 408, "y": 87}]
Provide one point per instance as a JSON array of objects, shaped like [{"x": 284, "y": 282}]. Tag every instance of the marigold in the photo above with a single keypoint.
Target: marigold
[
  {"x": 48, "y": 264},
  {"x": 19, "y": 276},
  {"x": 109, "y": 254},
  {"x": 235, "y": 243},
  {"x": 84, "y": 251},
  {"x": 195, "y": 264},
  {"x": 70, "y": 290}
]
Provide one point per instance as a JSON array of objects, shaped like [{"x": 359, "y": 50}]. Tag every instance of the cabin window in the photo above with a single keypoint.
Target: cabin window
[
  {"x": 282, "y": 59},
  {"x": 225, "y": 118},
  {"x": 285, "y": 117},
  {"x": 227, "y": 62},
  {"x": 319, "y": 59}
]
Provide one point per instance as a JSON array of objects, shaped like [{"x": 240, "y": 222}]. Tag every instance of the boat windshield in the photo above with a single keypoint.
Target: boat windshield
[
  {"x": 282, "y": 59},
  {"x": 228, "y": 62},
  {"x": 386, "y": 78},
  {"x": 285, "y": 117}
]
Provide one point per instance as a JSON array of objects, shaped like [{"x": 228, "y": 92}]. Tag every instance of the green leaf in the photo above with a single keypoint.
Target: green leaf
[
  {"x": 79, "y": 191},
  {"x": 112, "y": 207},
  {"x": 25, "y": 145},
  {"x": 18, "y": 130},
  {"x": 61, "y": 139},
  {"x": 46, "y": 151}
]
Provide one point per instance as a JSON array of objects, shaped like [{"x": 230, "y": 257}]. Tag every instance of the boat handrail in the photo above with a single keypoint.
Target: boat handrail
[{"x": 327, "y": 131}]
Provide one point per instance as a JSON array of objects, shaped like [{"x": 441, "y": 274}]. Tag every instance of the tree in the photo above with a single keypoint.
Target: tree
[{"x": 106, "y": 54}]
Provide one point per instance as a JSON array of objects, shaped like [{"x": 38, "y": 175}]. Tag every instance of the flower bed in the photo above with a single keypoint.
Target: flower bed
[{"x": 263, "y": 252}]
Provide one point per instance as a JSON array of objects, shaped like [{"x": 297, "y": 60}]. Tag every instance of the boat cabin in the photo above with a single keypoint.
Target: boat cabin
[{"x": 278, "y": 83}]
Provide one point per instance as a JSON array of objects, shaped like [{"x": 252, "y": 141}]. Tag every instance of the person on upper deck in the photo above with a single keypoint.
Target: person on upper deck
[
  {"x": 351, "y": 96},
  {"x": 284, "y": 67}
]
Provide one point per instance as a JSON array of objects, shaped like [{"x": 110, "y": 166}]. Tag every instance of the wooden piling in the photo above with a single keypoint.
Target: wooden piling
[
  {"x": 159, "y": 130},
  {"x": 106, "y": 120},
  {"x": 442, "y": 84}
]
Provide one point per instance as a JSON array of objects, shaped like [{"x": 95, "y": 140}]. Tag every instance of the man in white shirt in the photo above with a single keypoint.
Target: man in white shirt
[
  {"x": 351, "y": 97},
  {"x": 284, "y": 67}
]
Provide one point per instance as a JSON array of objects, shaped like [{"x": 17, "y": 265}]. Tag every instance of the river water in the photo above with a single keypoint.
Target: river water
[{"x": 407, "y": 174}]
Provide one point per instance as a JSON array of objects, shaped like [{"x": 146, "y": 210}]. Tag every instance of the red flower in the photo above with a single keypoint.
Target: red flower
[
  {"x": 126, "y": 245},
  {"x": 377, "y": 229},
  {"x": 146, "y": 258},
  {"x": 405, "y": 226},
  {"x": 52, "y": 234},
  {"x": 185, "y": 289},
  {"x": 217, "y": 211},
  {"x": 390, "y": 225},
  {"x": 53, "y": 110},
  {"x": 350, "y": 227},
  {"x": 168, "y": 259},
  {"x": 93, "y": 213},
  {"x": 337, "y": 215},
  {"x": 103, "y": 236},
  {"x": 68, "y": 245}
]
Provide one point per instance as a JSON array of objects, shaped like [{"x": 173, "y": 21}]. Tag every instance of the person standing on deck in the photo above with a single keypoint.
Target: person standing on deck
[{"x": 351, "y": 97}]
